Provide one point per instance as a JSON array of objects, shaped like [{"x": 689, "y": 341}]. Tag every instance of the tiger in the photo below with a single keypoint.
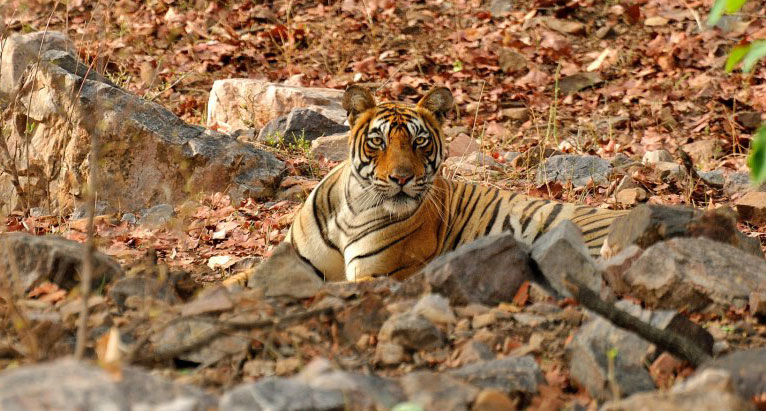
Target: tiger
[{"x": 387, "y": 210}]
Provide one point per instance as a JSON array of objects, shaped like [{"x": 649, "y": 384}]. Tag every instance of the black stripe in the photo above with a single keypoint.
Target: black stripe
[
  {"x": 489, "y": 203},
  {"x": 494, "y": 217},
  {"x": 459, "y": 235},
  {"x": 552, "y": 216},
  {"x": 530, "y": 213},
  {"x": 385, "y": 247}
]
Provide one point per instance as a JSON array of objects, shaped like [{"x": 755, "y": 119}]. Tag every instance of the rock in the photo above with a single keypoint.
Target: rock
[
  {"x": 301, "y": 124},
  {"x": 483, "y": 320},
  {"x": 211, "y": 300},
  {"x": 648, "y": 224},
  {"x": 702, "y": 151},
  {"x": 692, "y": 273},
  {"x": 157, "y": 216},
  {"x": 561, "y": 253},
  {"x": 500, "y": 7},
  {"x": 511, "y": 375},
  {"x": 129, "y": 218},
  {"x": 411, "y": 331},
  {"x": 173, "y": 341},
  {"x": 589, "y": 361},
  {"x": 714, "y": 177},
  {"x": 142, "y": 286},
  {"x": 474, "y": 351},
  {"x": 510, "y": 60},
  {"x": 631, "y": 196},
  {"x": 750, "y": 120},
  {"x": 71, "y": 385},
  {"x": 435, "y": 308},
  {"x": 457, "y": 276},
  {"x": 493, "y": 400},
  {"x": 288, "y": 365},
  {"x": 148, "y": 154},
  {"x": 21, "y": 50},
  {"x": 281, "y": 394},
  {"x": 657, "y": 156},
  {"x": 510, "y": 156},
  {"x": 577, "y": 169},
  {"x": 564, "y": 26},
  {"x": 284, "y": 273},
  {"x": 28, "y": 261},
  {"x": 580, "y": 81},
  {"x": 246, "y": 103},
  {"x": 364, "y": 317},
  {"x": 462, "y": 145},
  {"x": 670, "y": 171},
  {"x": 387, "y": 353},
  {"x": 709, "y": 391},
  {"x": 751, "y": 208},
  {"x": 746, "y": 368},
  {"x": 437, "y": 391},
  {"x": 757, "y": 303},
  {"x": 332, "y": 148},
  {"x": 615, "y": 267},
  {"x": 740, "y": 183},
  {"x": 363, "y": 391},
  {"x": 259, "y": 368},
  {"x": 483, "y": 160}
]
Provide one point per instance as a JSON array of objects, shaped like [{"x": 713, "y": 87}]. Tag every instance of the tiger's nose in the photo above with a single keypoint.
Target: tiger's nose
[{"x": 400, "y": 178}]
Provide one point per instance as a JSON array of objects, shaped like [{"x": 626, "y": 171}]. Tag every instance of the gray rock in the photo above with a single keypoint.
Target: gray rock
[
  {"x": 434, "y": 308},
  {"x": 505, "y": 266},
  {"x": 707, "y": 391},
  {"x": 157, "y": 215},
  {"x": 656, "y": 156},
  {"x": 692, "y": 273},
  {"x": 411, "y": 331},
  {"x": 751, "y": 207},
  {"x": 211, "y": 343},
  {"x": 747, "y": 369},
  {"x": 561, "y": 253},
  {"x": 715, "y": 177},
  {"x": 648, "y": 224},
  {"x": 577, "y": 169},
  {"x": 387, "y": 353},
  {"x": 332, "y": 148},
  {"x": 149, "y": 154},
  {"x": 438, "y": 391},
  {"x": 27, "y": 261},
  {"x": 670, "y": 171},
  {"x": 21, "y": 50},
  {"x": 579, "y": 81},
  {"x": 70, "y": 385},
  {"x": 474, "y": 351},
  {"x": 281, "y": 394},
  {"x": 142, "y": 286},
  {"x": 361, "y": 391},
  {"x": 500, "y": 7},
  {"x": 284, "y": 273},
  {"x": 750, "y": 120},
  {"x": 130, "y": 218},
  {"x": 740, "y": 183},
  {"x": 589, "y": 360},
  {"x": 510, "y": 374},
  {"x": 300, "y": 124}
]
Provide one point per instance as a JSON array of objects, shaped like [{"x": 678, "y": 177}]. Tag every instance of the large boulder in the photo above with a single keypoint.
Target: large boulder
[
  {"x": 21, "y": 50},
  {"x": 150, "y": 155},
  {"x": 237, "y": 104}
]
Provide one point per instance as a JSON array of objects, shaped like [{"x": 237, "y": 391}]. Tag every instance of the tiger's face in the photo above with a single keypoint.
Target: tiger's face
[{"x": 396, "y": 149}]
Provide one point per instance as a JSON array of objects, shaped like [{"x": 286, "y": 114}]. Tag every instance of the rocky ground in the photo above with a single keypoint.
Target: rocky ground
[{"x": 618, "y": 105}]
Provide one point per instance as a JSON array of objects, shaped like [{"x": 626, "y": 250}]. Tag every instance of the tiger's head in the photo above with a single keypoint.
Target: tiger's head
[{"x": 396, "y": 149}]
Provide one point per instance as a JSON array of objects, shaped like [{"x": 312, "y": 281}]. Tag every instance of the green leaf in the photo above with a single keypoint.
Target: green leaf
[
  {"x": 757, "y": 158},
  {"x": 716, "y": 12},
  {"x": 733, "y": 6},
  {"x": 457, "y": 65},
  {"x": 736, "y": 55},
  {"x": 407, "y": 406},
  {"x": 757, "y": 51}
]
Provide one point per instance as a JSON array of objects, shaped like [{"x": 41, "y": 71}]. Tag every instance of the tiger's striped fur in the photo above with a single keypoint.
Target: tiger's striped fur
[{"x": 387, "y": 211}]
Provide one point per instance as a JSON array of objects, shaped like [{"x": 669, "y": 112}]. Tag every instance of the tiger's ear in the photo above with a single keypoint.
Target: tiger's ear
[
  {"x": 357, "y": 100},
  {"x": 438, "y": 101}
]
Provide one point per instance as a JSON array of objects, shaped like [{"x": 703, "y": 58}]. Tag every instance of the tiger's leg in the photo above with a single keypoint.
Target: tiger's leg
[{"x": 306, "y": 237}]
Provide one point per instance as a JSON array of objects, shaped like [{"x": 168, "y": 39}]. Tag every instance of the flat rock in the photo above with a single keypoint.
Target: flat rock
[
  {"x": 577, "y": 169},
  {"x": 411, "y": 331},
  {"x": 21, "y": 50},
  {"x": 28, "y": 261},
  {"x": 214, "y": 344},
  {"x": 648, "y": 224},
  {"x": 434, "y": 391},
  {"x": 692, "y": 273},
  {"x": 361, "y": 391},
  {"x": 709, "y": 391},
  {"x": 561, "y": 253},
  {"x": 71, "y": 385},
  {"x": 236, "y": 104},
  {"x": 300, "y": 124},
  {"x": 150, "y": 155},
  {"x": 631, "y": 196},
  {"x": 284, "y": 273},
  {"x": 332, "y": 148},
  {"x": 656, "y": 156},
  {"x": 281, "y": 394},
  {"x": 589, "y": 360},
  {"x": 747, "y": 369},
  {"x": 751, "y": 207},
  {"x": 509, "y": 375},
  {"x": 505, "y": 266},
  {"x": 702, "y": 151}
]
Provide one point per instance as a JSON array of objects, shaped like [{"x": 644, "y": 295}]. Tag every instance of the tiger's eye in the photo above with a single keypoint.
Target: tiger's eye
[
  {"x": 421, "y": 141},
  {"x": 375, "y": 141}
]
